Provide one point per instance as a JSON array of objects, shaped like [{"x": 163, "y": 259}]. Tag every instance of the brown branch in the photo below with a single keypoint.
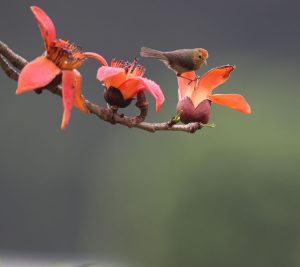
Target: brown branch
[
  {"x": 16, "y": 60},
  {"x": 9, "y": 71},
  {"x": 12, "y": 63}
]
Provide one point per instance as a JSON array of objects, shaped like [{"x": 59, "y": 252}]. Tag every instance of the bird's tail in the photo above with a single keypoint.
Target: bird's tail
[{"x": 152, "y": 53}]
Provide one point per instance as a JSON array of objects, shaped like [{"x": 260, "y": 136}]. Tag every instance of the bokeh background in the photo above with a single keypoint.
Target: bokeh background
[{"x": 228, "y": 196}]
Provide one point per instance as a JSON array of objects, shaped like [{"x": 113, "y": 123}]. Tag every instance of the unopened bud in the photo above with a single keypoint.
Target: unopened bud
[{"x": 188, "y": 113}]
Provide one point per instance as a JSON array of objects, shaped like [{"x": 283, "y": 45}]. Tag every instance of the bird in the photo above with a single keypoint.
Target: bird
[{"x": 181, "y": 60}]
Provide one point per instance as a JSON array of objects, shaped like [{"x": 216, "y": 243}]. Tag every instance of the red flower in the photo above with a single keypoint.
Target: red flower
[
  {"x": 61, "y": 58},
  {"x": 123, "y": 80},
  {"x": 195, "y": 95}
]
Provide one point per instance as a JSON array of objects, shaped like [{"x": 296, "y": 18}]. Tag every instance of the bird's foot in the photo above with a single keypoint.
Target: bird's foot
[{"x": 191, "y": 80}]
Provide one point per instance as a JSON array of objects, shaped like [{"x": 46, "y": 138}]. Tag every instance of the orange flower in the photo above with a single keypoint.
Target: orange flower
[
  {"x": 123, "y": 80},
  {"x": 195, "y": 95},
  {"x": 60, "y": 58}
]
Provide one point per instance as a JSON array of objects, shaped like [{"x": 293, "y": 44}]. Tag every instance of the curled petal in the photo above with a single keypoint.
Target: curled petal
[
  {"x": 215, "y": 77},
  {"x": 111, "y": 76},
  {"x": 46, "y": 26},
  {"x": 96, "y": 56},
  {"x": 68, "y": 95},
  {"x": 136, "y": 84},
  {"x": 186, "y": 84},
  {"x": 210, "y": 81},
  {"x": 36, "y": 74},
  {"x": 233, "y": 101},
  {"x": 79, "y": 101}
]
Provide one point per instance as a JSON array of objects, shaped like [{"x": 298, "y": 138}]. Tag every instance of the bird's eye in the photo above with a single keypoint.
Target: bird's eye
[{"x": 200, "y": 56}]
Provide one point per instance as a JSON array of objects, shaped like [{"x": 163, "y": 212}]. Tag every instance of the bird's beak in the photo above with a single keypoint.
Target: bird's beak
[{"x": 205, "y": 62}]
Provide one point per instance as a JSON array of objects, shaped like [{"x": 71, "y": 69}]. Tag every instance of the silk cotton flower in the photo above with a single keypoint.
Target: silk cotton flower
[
  {"x": 123, "y": 80},
  {"x": 195, "y": 95},
  {"x": 60, "y": 60}
]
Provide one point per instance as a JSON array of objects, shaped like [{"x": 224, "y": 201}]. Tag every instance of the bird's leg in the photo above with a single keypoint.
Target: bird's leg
[
  {"x": 179, "y": 75},
  {"x": 191, "y": 80},
  {"x": 197, "y": 79}
]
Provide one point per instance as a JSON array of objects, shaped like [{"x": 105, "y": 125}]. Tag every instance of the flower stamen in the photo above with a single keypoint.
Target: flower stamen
[
  {"x": 132, "y": 69},
  {"x": 66, "y": 55}
]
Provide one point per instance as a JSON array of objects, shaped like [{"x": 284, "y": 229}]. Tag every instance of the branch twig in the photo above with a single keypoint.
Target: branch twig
[{"x": 12, "y": 63}]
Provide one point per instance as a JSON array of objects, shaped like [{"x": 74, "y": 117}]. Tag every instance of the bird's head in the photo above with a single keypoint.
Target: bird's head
[{"x": 200, "y": 57}]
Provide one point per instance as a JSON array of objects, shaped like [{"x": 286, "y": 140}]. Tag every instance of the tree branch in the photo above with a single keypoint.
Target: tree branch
[{"x": 12, "y": 63}]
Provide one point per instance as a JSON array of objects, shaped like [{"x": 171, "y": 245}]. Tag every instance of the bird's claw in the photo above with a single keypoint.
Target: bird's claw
[{"x": 191, "y": 80}]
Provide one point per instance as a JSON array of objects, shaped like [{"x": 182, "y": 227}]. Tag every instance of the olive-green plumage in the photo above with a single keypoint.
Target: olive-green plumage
[{"x": 181, "y": 60}]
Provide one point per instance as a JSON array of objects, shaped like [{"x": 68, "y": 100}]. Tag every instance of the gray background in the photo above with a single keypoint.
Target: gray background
[{"x": 222, "y": 197}]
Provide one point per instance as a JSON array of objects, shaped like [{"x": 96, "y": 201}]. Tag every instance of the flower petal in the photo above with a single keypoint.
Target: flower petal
[
  {"x": 186, "y": 84},
  {"x": 36, "y": 74},
  {"x": 96, "y": 56},
  {"x": 215, "y": 77},
  {"x": 234, "y": 101},
  {"x": 68, "y": 95},
  {"x": 111, "y": 76},
  {"x": 46, "y": 26},
  {"x": 210, "y": 81},
  {"x": 79, "y": 101},
  {"x": 136, "y": 84}
]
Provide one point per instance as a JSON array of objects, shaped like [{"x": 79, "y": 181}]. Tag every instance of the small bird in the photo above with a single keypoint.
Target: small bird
[{"x": 181, "y": 60}]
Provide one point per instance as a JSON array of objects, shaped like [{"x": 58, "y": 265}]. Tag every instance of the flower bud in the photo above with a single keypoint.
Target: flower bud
[{"x": 188, "y": 113}]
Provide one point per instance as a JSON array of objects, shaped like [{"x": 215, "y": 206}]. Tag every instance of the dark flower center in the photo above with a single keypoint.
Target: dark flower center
[
  {"x": 114, "y": 97},
  {"x": 66, "y": 55}
]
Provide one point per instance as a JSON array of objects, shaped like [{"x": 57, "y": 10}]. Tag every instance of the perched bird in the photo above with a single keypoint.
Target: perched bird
[{"x": 181, "y": 60}]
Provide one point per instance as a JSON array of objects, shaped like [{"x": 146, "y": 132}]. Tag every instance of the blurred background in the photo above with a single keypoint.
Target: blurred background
[{"x": 228, "y": 196}]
